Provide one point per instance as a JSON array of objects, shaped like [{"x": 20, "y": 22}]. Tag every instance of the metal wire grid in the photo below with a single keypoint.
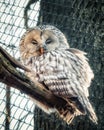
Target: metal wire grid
[{"x": 20, "y": 116}]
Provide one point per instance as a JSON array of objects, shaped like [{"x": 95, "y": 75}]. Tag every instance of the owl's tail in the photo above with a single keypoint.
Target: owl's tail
[
  {"x": 74, "y": 108},
  {"x": 90, "y": 111},
  {"x": 85, "y": 107}
]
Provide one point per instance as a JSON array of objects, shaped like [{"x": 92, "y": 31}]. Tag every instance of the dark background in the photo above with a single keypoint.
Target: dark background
[{"x": 82, "y": 21}]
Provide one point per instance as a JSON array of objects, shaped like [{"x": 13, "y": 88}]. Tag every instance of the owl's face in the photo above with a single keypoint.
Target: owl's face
[{"x": 38, "y": 41}]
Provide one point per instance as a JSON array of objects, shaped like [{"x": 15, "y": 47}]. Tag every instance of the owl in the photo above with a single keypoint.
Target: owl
[{"x": 62, "y": 70}]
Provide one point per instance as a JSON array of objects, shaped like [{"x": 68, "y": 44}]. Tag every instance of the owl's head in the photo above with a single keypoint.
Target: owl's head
[{"x": 42, "y": 39}]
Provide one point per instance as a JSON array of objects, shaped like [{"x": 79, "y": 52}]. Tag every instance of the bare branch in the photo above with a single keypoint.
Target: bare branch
[
  {"x": 27, "y": 8},
  {"x": 16, "y": 79}
]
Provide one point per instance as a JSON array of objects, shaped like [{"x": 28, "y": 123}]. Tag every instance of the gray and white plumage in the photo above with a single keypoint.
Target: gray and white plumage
[{"x": 63, "y": 70}]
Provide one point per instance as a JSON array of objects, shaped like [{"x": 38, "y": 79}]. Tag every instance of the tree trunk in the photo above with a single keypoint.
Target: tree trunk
[{"x": 83, "y": 24}]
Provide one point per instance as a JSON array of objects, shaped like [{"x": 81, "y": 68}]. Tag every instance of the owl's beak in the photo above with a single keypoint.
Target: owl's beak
[{"x": 41, "y": 50}]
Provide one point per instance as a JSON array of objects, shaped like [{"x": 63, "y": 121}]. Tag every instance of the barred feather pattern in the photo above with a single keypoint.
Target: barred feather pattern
[
  {"x": 63, "y": 70},
  {"x": 67, "y": 74}
]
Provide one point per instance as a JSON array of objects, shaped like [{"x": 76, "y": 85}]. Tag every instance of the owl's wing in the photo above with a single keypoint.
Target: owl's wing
[{"x": 67, "y": 74}]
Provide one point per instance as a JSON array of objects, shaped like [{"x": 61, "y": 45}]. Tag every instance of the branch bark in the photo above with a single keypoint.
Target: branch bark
[{"x": 11, "y": 76}]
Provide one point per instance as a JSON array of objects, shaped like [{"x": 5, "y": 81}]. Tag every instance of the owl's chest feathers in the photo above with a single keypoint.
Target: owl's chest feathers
[
  {"x": 46, "y": 65},
  {"x": 60, "y": 65}
]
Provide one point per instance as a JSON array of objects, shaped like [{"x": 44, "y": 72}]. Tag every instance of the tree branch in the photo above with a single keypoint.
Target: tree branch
[{"x": 11, "y": 76}]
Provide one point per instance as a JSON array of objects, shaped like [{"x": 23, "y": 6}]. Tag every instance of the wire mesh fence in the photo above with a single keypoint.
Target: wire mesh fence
[{"x": 16, "y": 109}]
